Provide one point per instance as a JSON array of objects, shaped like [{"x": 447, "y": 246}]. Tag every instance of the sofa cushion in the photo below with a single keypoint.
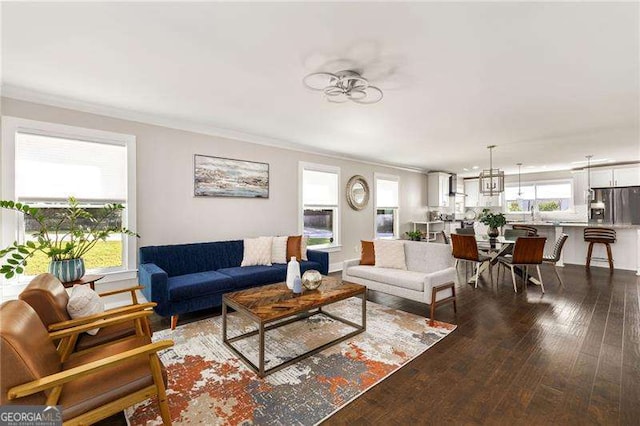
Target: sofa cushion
[
  {"x": 249, "y": 276},
  {"x": 257, "y": 251},
  {"x": 410, "y": 280},
  {"x": 389, "y": 254},
  {"x": 367, "y": 253},
  {"x": 198, "y": 284},
  {"x": 427, "y": 257}
]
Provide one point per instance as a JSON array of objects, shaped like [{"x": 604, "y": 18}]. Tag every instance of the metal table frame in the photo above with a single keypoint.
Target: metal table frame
[{"x": 265, "y": 326}]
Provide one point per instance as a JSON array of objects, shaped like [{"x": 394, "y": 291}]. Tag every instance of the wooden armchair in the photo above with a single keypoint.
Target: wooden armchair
[
  {"x": 89, "y": 386},
  {"x": 48, "y": 297}
]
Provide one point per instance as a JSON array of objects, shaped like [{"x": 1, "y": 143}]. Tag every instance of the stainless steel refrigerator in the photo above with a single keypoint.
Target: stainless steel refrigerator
[{"x": 621, "y": 205}]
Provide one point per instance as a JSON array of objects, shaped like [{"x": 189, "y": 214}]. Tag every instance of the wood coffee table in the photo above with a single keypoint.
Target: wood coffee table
[{"x": 274, "y": 306}]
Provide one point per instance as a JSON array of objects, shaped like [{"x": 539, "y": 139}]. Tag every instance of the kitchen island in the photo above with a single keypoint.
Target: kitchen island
[{"x": 626, "y": 250}]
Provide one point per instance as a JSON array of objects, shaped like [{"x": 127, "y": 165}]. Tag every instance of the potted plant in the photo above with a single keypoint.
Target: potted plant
[
  {"x": 493, "y": 221},
  {"x": 63, "y": 235},
  {"x": 414, "y": 235}
]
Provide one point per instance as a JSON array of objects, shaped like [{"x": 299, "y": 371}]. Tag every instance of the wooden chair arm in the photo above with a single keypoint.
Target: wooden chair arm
[
  {"x": 122, "y": 290},
  {"x": 103, "y": 315},
  {"x": 62, "y": 377},
  {"x": 98, "y": 324}
]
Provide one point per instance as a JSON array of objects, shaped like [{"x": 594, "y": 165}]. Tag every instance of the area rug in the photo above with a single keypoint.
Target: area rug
[{"x": 208, "y": 384}]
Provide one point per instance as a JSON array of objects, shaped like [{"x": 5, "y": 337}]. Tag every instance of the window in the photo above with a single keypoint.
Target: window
[
  {"x": 548, "y": 196},
  {"x": 320, "y": 204},
  {"x": 386, "y": 198},
  {"x": 52, "y": 162}
]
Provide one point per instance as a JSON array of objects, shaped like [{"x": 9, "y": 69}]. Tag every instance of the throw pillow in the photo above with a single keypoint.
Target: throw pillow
[
  {"x": 84, "y": 302},
  {"x": 367, "y": 255},
  {"x": 303, "y": 248},
  {"x": 279, "y": 250},
  {"x": 293, "y": 247},
  {"x": 257, "y": 251},
  {"x": 389, "y": 254}
]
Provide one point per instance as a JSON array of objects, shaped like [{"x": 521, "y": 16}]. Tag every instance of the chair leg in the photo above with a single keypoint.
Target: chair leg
[
  {"x": 477, "y": 273},
  {"x": 456, "y": 265},
  {"x": 555, "y": 269},
  {"x": 156, "y": 372},
  {"x": 588, "y": 264},
  {"x": 453, "y": 293},
  {"x": 513, "y": 278},
  {"x": 540, "y": 278},
  {"x": 609, "y": 256}
]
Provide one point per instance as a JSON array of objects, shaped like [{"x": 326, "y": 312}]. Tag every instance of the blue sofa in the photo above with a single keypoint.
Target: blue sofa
[{"x": 189, "y": 277}]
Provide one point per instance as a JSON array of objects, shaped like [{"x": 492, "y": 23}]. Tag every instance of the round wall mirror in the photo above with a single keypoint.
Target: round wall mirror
[{"x": 357, "y": 192}]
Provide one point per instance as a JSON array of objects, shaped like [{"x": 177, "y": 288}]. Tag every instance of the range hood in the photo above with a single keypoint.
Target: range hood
[{"x": 453, "y": 186}]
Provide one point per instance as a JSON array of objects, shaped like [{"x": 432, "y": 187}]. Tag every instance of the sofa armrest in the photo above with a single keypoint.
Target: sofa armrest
[
  {"x": 436, "y": 278},
  {"x": 348, "y": 263},
  {"x": 322, "y": 257},
  {"x": 156, "y": 285}
]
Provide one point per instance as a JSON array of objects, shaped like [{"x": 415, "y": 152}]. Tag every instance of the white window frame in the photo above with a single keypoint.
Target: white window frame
[
  {"x": 535, "y": 184},
  {"x": 396, "y": 210},
  {"x": 337, "y": 238},
  {"x": 11, "y": 227}
]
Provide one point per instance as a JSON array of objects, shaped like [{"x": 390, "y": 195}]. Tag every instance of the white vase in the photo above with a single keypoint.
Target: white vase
[{"x": 293, "y": 271}]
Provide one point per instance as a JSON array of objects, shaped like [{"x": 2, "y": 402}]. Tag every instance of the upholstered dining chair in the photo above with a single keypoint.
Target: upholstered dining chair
[
  {"x": 554, "y": 256},
  {"x": 89, "y": 386},
  {"x": 527, "y": 251},
  {"x": 531, "y": 231},
  {"x": 48, "y": 297},
  {"x": 465, "y": 248}
]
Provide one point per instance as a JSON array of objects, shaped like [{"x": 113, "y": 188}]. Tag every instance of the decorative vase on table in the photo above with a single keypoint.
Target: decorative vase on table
[
  {"x": 493, "y": 232},
  {"x": 293, "y": 272},
  {"x": 67, "y": 270}
]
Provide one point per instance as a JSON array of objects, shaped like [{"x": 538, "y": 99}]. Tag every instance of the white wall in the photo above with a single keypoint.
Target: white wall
[{"x": 168, "y": 213}]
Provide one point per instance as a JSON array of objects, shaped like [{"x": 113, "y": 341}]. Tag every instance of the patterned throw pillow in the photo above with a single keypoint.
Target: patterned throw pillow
[
  {"x": 279, "y": 250},
  {"x": 389, "y": 254},
  {"x": 257, "y": 251},
  {"x": 84, "y": 302},
  {"x": 367, "y": 256}
]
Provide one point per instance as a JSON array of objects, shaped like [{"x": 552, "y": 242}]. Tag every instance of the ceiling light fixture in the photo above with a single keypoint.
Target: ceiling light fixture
[
  {"x": 343, "y": 86},
  {"x": 519, "y": 187},
  {"x": 491, "y": 180}
]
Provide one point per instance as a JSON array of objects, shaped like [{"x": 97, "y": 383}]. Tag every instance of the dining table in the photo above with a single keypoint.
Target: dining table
[{"x": 495, "y": 247}]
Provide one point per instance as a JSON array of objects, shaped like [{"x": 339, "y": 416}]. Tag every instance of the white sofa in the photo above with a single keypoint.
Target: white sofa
[{"x": 430, "y": 274}]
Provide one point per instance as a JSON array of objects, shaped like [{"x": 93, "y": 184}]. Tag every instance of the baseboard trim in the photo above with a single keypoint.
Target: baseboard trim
[{"x": 335, "y": 267}]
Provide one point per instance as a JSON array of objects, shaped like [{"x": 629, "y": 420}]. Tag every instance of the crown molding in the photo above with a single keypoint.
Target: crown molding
[{"x": 34, "y": 96}]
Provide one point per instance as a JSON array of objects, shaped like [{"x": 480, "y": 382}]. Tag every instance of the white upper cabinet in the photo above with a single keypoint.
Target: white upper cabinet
[
  {"x": 472, "y": 190},
  {"x": 618, "y": 176},
  {"x": 438, "y": 189},
  {"x": 626, "y": 176}
]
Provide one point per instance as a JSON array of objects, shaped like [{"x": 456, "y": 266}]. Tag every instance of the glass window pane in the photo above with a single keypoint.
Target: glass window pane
[
  {"x": 320, "y": 188},
  {"x": 385, "y": 223},
  {"x": 318, "y": 226},
  {"x": 559, "y": 190},
  {"x": 386, "y": 193},
  {"x": 54, "y": 168}
]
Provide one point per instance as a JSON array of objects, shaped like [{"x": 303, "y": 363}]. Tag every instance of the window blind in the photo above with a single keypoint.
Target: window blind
[
  {"x": 320, "y": 188},
  {"x": 386, "y": 193},
  {"x": 53, "y": 168}
]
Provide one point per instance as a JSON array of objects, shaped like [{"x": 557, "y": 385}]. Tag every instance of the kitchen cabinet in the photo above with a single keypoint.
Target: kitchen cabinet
[
  {"x": 438, "y": 189},
  {"x": 615, "y": 177},
  {"x": 472, "y": 189}
]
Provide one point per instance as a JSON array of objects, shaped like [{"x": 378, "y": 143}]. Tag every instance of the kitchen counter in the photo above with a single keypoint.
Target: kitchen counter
[
  {"x": 626, "y": 249},
  {"x": 576, "y": 224}
]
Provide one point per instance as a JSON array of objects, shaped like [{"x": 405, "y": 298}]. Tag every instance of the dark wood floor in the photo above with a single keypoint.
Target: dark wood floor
[{"x": 570, "y": 356}]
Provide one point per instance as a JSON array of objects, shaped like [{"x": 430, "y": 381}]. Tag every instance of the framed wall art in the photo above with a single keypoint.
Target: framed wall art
[{"x": 226, "y": 177}]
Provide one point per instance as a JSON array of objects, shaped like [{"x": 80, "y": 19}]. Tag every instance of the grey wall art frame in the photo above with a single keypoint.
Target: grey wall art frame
[{"x": 226, "y": 177}]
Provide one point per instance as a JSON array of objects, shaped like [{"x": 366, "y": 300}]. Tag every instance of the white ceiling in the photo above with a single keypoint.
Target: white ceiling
[{"x": 548, "y": 83}]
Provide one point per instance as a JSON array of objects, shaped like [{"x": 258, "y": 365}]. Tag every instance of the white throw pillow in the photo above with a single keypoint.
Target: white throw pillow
[
  {"x": 279, "y": 250},
  {"x": 389, "y": 254},
  {"x": 257, "y": 251},
  {"x": 84, "y": 302},
  {"x": 303, "y": 247}
]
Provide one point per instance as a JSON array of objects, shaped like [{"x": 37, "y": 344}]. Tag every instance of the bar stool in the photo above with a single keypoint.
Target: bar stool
[{"x": 606, "y": 236}]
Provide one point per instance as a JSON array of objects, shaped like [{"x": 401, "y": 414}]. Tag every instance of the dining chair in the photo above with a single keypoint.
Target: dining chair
[
  {"x": 465, "y": 231},
  {"x": 527, "y": 251},
  {"x": 88, "y": 387},
  {"x": 445, "y": 238},
  {"x": 554, "y": 256},
  {"x": 531, "y": 231},
  {"x": 465, "y": 248}
]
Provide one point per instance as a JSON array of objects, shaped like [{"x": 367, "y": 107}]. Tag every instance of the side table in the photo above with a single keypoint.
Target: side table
[{"x": 87, "y": 279}]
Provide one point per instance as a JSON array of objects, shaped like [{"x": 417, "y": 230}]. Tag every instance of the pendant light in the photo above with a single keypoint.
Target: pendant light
[
  {"x": 590, "y": 192},
  {"x": 519, "y": 187},
  {"x": 491, "y": 180}
]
